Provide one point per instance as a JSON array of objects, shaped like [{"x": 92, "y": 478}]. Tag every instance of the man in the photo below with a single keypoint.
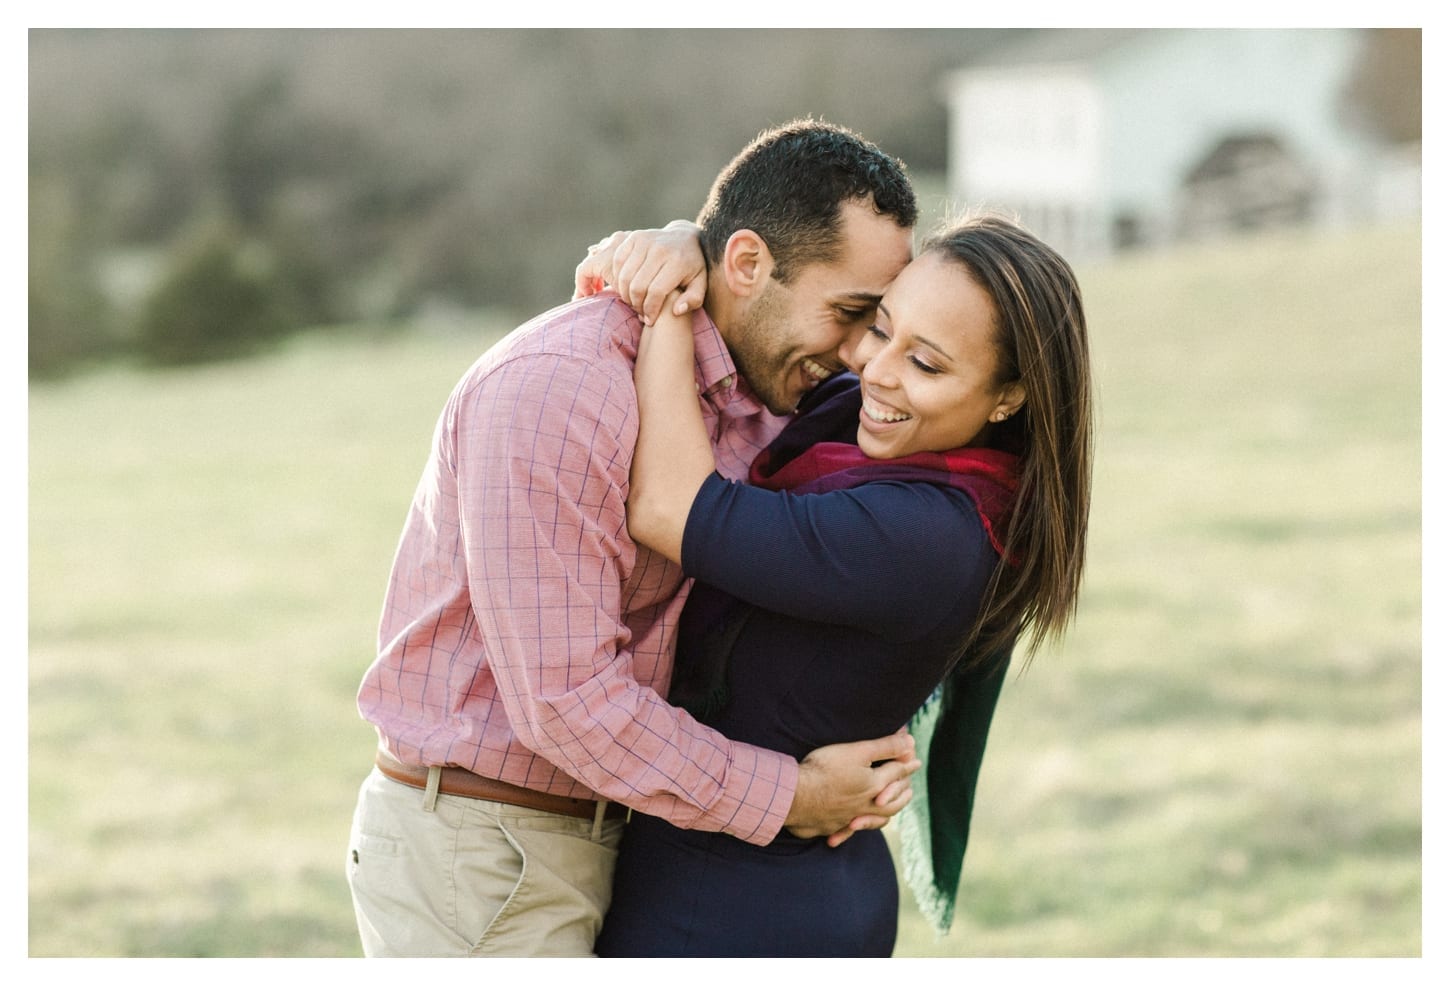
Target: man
[{"x": 525, "y": 641}]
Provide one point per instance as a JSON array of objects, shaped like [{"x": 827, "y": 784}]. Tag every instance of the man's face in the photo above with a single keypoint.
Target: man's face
[{"x": 788, "y": 339}]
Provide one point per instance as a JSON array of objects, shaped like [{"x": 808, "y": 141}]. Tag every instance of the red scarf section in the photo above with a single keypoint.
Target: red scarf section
[{"x": 990, "y": 477}]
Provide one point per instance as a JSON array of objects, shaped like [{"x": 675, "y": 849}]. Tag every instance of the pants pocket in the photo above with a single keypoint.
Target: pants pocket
[
  {"x": 557, "y": 905},
  {"x": 506, "y": 871}
]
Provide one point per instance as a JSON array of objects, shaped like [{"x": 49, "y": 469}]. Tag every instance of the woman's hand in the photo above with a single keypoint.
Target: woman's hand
[{"x": 645, "y": 266}]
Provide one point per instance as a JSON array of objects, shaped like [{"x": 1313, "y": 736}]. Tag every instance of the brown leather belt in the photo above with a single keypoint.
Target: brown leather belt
[{"x": 467, "y": 784}]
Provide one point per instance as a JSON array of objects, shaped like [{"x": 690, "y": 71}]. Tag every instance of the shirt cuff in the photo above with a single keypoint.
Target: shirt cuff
[{"x": 763, "y": 795}]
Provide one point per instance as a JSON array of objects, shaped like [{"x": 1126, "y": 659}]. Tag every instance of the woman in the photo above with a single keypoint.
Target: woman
[{"x": 897, "y": 538}]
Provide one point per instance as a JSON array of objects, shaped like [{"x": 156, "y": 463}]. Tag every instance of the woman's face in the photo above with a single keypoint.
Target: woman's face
[{"x": 928, "y": 366}]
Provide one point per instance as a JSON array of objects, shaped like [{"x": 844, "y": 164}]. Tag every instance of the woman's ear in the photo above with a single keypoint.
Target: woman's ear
[
  {"x": 1013, "y": 396},
  {"x": 746, "y": 263}
]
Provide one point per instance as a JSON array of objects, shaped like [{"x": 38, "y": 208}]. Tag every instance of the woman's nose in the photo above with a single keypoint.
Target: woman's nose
[{"x": 878, "y": 369}]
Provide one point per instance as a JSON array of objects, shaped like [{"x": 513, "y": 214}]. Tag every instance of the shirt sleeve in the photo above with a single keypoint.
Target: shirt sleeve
[
  {"x": 893, "y": 558},
  {"x": 543, "y": 454}
]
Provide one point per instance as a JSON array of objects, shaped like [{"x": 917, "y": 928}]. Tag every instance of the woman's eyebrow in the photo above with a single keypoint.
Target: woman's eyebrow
[
  {"x": 927, "y": 342},
  {"x": 921, "y": 339}
]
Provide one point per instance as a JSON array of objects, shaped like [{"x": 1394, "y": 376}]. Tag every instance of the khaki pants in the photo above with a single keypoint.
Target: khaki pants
[{"x": 474, "y": 878}]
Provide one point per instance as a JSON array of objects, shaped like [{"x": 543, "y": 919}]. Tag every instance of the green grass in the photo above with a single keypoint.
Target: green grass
[{"x": 1222, "y": 759}]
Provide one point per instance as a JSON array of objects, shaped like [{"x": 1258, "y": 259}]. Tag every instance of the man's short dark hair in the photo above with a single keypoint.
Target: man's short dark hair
[{"x": 788, "y": 185}]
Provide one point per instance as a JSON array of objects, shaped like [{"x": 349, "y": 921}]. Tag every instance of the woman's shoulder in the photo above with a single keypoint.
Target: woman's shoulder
[{"x": 920, "y": 505}]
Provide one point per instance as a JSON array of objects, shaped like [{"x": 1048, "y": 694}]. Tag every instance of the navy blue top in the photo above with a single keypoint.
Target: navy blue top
[
  {"x": 859, "y": 600},
  {"x": 840, "y": 613}
]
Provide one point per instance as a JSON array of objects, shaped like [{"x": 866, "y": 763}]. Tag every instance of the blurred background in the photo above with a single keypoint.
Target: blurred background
[
  {"x": 198, "y": 193},
  {"x": 259, "y": 259}
]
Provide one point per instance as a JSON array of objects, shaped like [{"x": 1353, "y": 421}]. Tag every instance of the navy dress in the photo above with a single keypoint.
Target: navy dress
[{"x": 841, "y": 611}]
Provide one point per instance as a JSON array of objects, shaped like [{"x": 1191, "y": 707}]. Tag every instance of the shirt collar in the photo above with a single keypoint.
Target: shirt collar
[{"x": 715, "y": 373}]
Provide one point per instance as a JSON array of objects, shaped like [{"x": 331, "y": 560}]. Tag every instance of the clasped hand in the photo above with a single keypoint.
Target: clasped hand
[
  {"x": 644, "y": 267},
  {"x": 852, "y": 787}
]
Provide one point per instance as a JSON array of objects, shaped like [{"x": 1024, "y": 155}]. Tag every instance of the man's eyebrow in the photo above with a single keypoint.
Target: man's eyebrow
[{"x": 864, "y": 297}]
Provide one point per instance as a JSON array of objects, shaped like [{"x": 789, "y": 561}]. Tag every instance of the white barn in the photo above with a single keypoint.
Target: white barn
[{"x": 1100, "y": 139}]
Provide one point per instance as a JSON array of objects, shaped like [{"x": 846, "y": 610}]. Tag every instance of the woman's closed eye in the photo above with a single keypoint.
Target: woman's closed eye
[{"x": 923, "y": 365}]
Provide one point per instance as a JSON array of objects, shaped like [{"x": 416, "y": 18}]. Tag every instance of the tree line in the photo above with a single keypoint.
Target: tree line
[{"x": 199, "y": 194}]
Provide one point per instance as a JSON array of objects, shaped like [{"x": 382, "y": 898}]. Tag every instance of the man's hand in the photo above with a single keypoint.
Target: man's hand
[
  {"x": 645, "y": 266},
  {"x": 851, "y": 787}
]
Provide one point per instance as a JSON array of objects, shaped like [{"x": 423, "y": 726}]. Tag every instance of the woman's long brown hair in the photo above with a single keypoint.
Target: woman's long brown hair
[{"x": 1042, "y": 343}]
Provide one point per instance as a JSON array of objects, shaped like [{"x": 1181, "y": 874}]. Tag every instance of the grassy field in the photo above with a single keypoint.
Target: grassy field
[{"x": 1223, "y": 759}]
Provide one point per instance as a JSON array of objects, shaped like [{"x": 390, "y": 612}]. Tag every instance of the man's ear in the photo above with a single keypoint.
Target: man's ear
[{"x": 746, "y": 263}]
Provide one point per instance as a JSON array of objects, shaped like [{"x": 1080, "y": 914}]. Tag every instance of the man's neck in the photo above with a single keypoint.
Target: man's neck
[{"x": 720, "y": 305}]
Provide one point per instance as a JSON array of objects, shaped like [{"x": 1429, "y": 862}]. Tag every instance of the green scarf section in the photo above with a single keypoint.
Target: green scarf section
[{"x": 951, "y": 736}]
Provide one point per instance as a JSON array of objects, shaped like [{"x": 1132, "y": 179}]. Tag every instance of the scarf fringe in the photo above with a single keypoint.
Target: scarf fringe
[{"x": 938, "y": 906}]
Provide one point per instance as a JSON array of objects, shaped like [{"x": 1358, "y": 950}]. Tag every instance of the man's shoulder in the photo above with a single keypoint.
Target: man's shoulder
[
  {"x": 600, "y": 330},
  {"x": 580, "y": 351}
]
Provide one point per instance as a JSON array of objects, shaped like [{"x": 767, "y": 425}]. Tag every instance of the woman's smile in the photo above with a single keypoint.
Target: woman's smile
[{"x": 880, "y": 414}]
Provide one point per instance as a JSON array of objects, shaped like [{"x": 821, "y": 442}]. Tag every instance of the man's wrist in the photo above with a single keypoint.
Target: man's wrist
[{"x": 805, "y": 806}]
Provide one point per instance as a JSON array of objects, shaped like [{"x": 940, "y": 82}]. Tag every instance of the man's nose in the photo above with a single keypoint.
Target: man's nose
[{"x": 846, "y": 352}]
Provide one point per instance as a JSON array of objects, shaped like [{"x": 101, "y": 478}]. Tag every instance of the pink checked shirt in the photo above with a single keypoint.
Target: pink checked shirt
[{"x": 524, "y": 636}]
